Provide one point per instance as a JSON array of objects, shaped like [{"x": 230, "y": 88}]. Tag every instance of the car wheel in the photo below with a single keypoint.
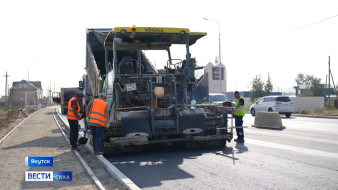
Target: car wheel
[
  {"x": 253, "y": 112},
  {"x": 270, "y": 110},
  {"x": 288, "y": 114}
]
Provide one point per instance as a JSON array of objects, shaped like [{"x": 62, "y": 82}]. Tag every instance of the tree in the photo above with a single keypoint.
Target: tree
[
  {"x": 256, "y": 88},
  {"x": 315, "y": 88},
  {"x": 300, "y": 79},
  {"x": 268, "y": 87}
]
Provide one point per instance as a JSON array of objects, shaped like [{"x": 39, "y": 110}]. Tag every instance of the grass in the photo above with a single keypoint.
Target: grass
[{"x": 326, "y": 111}]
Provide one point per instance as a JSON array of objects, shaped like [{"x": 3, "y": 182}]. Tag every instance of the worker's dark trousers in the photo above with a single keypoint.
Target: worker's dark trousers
[
  {"x": 74, "y": 132},
  {"x": 239, "y": 123},
  {"x": 97, "y": 136}
]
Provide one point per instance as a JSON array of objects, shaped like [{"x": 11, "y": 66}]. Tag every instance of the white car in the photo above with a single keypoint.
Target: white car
[{"x": 279, "y": 104}]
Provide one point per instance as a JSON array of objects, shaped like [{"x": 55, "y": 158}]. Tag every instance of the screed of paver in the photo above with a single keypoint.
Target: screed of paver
[{"x": 39, "y": 136}]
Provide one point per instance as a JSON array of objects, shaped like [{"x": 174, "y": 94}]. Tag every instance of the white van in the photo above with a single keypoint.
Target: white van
[{"x": 279, "y": 104}]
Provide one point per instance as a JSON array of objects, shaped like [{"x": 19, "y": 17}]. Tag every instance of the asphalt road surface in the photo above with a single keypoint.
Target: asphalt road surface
[{"x": 302, "y": 156}]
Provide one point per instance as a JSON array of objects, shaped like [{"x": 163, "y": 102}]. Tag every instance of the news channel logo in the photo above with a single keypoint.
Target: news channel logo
[
  {"x": 48, "y": 176},
  {"x": 39, "y": 161},
  {"x": 45, "y": 175}
]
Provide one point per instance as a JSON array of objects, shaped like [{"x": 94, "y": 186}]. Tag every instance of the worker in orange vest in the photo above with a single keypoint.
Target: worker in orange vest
[
  {"x": 98, "y": 118},
  {"x": 73, "y": 116}
]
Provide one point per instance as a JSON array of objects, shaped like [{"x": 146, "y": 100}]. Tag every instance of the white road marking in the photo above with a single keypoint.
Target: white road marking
[
  {"x": 292, "y": 148},
  {"x": 294, "y": 137}
]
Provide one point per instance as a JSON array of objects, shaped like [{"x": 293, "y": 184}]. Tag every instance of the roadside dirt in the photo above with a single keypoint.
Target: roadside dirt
[{"x": 8, "y": 121}]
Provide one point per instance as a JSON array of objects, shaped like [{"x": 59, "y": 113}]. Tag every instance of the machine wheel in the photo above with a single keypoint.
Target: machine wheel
[
  {"x": 270, "y": 110},
  {"x": 288, "y": 114},
  {"x": 222, "y": 143},
  {"x": 253, "y": 112}
]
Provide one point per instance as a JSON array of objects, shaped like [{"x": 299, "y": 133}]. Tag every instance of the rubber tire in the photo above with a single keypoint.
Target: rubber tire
[
  {"x": 253, "y": 112},
  {"x": 270, "y": 110},
  {"x": 222, "y": 143},
  {"x": 288, "y": 115}
]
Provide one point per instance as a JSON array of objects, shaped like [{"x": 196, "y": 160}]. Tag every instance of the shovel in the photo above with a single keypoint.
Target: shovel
[{"x": 84, "y": 139}]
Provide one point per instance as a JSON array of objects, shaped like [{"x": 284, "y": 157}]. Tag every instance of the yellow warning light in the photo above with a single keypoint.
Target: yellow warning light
[{"x": 133, "y": 28}]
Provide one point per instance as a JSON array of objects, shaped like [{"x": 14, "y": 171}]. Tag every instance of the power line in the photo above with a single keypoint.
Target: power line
[{"x": 308, "y": 25}]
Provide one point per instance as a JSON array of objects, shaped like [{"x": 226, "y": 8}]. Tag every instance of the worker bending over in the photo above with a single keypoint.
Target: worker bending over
[{"x": 97, "y": 110}]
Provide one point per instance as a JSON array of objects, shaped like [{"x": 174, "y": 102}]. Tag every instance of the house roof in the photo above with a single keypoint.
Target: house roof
[{"x": 36, "y": 84}]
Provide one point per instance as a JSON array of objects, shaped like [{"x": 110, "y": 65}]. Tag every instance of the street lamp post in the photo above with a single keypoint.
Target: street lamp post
[{"x": 219, "y": 53}]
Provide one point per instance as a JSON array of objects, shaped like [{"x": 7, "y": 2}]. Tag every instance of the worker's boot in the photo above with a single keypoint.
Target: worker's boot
[{"x": 240, "y": 140}]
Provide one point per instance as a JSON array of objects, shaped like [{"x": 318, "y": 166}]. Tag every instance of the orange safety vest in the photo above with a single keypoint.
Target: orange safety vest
[
  {"x": 97, "y": 115},
  {"x": 70, "y": 114}
]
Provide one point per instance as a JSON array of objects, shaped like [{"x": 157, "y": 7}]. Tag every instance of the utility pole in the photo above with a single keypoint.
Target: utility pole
[
  {"x": 6, "y": 86},
  {"x": 50, "y": 90},
  {"x": 329, "y": 83},
  {"x": 219, "y": 55}
]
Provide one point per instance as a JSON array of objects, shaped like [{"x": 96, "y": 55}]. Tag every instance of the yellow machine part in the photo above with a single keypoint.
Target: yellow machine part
[{"x": 151, "y": 30}]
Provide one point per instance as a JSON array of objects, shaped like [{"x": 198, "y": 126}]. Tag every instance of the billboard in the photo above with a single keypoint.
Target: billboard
[{"x": 216, "y": 73}]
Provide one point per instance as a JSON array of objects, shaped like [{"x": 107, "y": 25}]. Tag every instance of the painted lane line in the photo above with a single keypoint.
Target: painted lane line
[
  {"x": 293, "y": 137},
  {"x": 292, "y": 148}
]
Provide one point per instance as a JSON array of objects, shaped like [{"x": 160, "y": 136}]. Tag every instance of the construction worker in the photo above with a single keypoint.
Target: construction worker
[
  {"x": 238, "y": 115},
  {"x": 97, "y": 110},
  {"x": 73, "y": 116}
]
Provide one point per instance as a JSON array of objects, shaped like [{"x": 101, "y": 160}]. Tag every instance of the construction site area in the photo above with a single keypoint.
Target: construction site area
[{"x": 177, "y": 95}]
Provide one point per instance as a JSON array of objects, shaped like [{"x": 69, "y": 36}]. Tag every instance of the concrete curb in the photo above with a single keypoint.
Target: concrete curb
[
  {"x": 84, "y": 164},
  {"x": 111, "y": 169},
  {"x": 315, "y": 116}
]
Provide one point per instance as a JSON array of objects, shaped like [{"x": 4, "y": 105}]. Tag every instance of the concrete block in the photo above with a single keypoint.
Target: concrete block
[{"x": 270, "y": 120}]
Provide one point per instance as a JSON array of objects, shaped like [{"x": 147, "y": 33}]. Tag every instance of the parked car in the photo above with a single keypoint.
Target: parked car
[
  {"x": 279, "y": 104},
  {"x": 218, "y": 98}
]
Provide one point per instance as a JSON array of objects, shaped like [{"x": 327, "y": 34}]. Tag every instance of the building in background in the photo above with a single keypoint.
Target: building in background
[
  {"x": 24, "y": 91},
  {"x": 305, "y": 90},
  {"x": 214, "y": 73}
]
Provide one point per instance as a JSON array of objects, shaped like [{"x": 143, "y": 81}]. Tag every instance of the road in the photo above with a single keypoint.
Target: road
[{"x": 302, "y": 156}]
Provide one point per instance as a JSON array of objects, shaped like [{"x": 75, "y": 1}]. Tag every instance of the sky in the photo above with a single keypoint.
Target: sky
[{"x": 281, "y": 38}]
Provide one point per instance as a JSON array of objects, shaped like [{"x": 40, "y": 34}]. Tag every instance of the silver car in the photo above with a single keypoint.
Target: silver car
[
  {"x": 218, "y": 98},
  {"x": 279, "y": 104}
]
